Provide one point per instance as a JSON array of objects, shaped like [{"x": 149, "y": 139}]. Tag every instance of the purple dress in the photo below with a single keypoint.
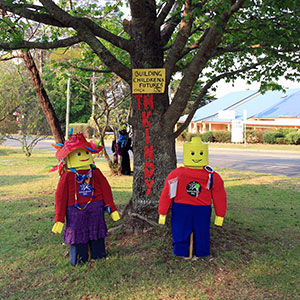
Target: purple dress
[{"x": 85, "y": 225}]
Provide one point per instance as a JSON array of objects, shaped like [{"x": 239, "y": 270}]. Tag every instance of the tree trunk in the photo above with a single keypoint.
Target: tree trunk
[
  {"x": 43, "y": 98},
  {"x": 153, "y": 145}
]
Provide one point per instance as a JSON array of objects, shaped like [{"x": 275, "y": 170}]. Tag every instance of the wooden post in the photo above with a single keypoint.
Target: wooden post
[{"x": 191, "y": 245}]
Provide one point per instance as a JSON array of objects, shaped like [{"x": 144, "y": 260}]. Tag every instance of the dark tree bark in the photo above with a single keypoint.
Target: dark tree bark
[{"x": 43, "y": 97}]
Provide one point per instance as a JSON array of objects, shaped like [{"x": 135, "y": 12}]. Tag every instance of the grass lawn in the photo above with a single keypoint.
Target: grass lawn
[{"x": 255, "y": 255}]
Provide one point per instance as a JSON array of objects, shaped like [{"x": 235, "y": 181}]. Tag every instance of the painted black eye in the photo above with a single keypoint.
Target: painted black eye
[
  {"x": 87, "y": 152},
  {"x": 79, "y": 153},
  {"x": 193, "y": 153},
  {"x": 201, "y": 153}
]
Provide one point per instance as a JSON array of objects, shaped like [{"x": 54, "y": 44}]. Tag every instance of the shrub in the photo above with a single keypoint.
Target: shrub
[
  {"x": 254, "y": 136},
  {"x": 293, "y": 137},
  {"x": 270, "y": 137},
  {"x": 222, "y": 136},
  {"x": 296, "y": 138},
  {"x": 281, "y": 141},
  {"x": 286, "y": 131},
  {"x": 208, "y": 136}
]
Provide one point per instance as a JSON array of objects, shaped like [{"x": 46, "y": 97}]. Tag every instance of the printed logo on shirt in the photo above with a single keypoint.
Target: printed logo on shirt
[
  {"x": 193, "y": 188},
  {"x": 85, "y": 189}
]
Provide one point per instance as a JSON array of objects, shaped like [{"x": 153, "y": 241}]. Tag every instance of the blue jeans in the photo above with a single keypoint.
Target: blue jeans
[{"x": 187, "y": 219}]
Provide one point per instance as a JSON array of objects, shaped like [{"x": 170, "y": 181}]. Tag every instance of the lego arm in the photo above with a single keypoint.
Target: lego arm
[
  {"x": 162, "y": 219},
  {"x": 57, "y": 227},
  {"x": 115, "y": 216},
  {"x": 219, "y": 199},
  {"x": 219, "y": 221}
]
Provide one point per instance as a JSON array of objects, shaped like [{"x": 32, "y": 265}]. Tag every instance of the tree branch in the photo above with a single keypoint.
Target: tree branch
[
  {"x": 63, "y": 20},
  {"x": 91, "y": 69},
  {"x": 87, "y": 35},
  {"x": 26, "y": 11},
  {"x": 163, "y": 14},
  {"x": 41, "y": 45},
  {"x": 180, "y": 41},
  {"x": 206, "y": 51},
  {"x": 205, "y": 89},
  {"x": 169, "y": 28}
]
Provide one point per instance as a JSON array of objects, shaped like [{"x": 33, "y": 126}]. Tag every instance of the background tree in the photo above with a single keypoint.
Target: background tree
[
  {"x": 19, "y": 102},
  {"x": 111, "y": 108},
  {"x": 207, "y": 40}
]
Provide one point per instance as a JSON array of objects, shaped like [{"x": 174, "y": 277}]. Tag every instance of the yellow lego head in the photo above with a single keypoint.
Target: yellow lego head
[
  {"x": 195, "y": 154},
  {"x": 79, "y": 158}
]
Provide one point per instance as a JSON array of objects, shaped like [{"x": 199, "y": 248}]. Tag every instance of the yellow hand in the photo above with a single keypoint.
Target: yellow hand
[
  {"x": 115, "y": 215},
  {"x": 219, "y": 221},
  {"x": 162, "y": 219},
  {"x": 57, "y": 227}
]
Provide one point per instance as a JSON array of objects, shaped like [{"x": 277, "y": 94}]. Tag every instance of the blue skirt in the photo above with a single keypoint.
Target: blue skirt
[
  {"x": 187, "y": 219},
  {"x": 85, "y": 225}
]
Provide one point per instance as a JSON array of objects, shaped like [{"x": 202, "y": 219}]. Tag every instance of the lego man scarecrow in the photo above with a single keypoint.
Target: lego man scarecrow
[
  {"x": 83, "y": 195},
  {"x": 191, "y": 190}
]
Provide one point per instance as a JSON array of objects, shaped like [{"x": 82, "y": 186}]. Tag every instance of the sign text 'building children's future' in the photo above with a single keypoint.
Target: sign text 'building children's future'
[{"x": 148, "y": 81}]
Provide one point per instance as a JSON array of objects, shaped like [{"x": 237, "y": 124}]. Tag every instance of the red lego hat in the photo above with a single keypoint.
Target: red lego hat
[{"x": 76, "y": 141}]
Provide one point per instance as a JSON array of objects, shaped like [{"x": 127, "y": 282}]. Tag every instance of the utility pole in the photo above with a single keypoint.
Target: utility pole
[
  {"x": 93, "y": 95},
  {"x": 245, "y": 126},
  {"x": 68, "y": 108}
]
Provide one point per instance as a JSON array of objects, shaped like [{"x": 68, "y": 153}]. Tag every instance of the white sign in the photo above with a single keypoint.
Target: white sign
[
  {"x": 226, "y": 114},
  {"x": 237, "y": 131}
]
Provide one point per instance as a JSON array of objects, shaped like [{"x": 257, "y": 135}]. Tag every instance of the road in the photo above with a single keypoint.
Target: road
[{"x": 274, "y": 162}]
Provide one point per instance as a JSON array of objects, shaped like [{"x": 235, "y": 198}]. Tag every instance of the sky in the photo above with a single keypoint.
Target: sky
[{"x": 224, "y": 88}]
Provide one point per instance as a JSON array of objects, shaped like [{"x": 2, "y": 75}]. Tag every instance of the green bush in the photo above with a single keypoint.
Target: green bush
[
  {"x": 254, "y": 136},
  {"x": 208, "y": 136},
  {"x": 282, "y": 141},
  {"x": 189, "y": 136},
  {"x": 270, "y": 137},
  {"x": 287, "y": 131},
  {"x": 293, "y": 137},
  {"x": 296, "y": 138},
  {"x": 222, "y": 136}
]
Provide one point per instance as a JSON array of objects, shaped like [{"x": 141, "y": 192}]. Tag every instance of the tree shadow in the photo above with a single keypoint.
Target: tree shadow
[{"x": 9, "y": 180}]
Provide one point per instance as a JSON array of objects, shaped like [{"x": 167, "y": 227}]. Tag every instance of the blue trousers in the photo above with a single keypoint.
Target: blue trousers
[
  {"x": 79, "y": 253},
  {"x": 185, "y": 220}
]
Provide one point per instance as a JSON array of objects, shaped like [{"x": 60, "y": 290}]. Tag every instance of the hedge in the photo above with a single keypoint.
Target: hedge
[
  {"x": 270, "y": 137},
  {"x": 293, "y": 137},
  {"x": 208, "y": 136}
]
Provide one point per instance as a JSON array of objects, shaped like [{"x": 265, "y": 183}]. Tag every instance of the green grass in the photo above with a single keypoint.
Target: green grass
[{"x": 255, "y": 255}]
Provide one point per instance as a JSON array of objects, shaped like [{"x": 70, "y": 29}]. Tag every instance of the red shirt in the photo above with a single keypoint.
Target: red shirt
[
  {"x": 65, "y": 192},
  {"x": 192, "y": 189}
]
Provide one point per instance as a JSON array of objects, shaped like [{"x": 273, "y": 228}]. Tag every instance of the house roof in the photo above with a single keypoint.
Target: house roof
[
  {"x": 222, "y": 103},
  {"x": 287, "y": 107},
  {"x": 273, "y": 103}
]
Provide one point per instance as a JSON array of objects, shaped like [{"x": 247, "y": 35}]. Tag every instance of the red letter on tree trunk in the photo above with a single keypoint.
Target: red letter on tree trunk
[
  {"x": 149, "y": 185},
  {"x": 148, "y": 152},
  {"x": 148, "y": 169},
  {"x": 145, "y": 118},
  {"x": 148, "y": 101},
  {"x": 138, "y": 97}
]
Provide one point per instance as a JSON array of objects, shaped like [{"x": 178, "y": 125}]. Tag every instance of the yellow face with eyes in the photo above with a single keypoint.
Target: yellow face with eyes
[
  {"x": 195, "y": 154},
  {"x": 79, "y": 159}
]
